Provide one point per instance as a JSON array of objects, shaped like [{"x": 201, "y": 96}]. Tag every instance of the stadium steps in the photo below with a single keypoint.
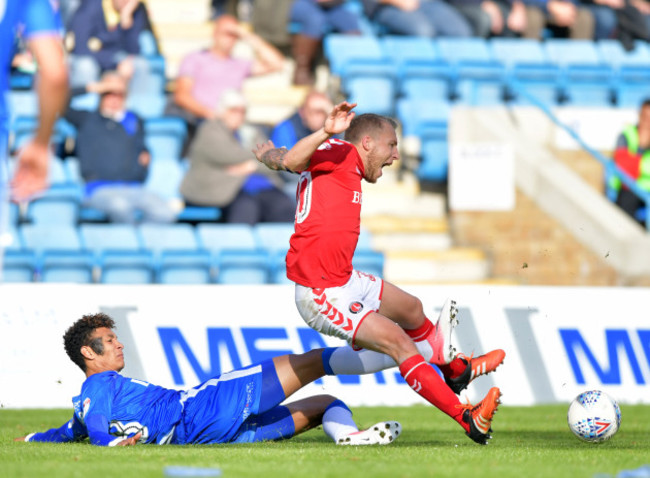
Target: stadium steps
[
  {"x": 455, "y": 264},
  {"x": 411, "y": 228}
]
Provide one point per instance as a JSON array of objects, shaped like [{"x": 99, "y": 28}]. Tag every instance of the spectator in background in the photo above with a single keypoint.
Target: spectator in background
[
  {"x": 105, "y": 36},
  {"x": 565, "y": 14},
  {"x": 204, "y": 75},
  {"x": 493, "y": 17},
  {"x": 113, "y": 158},
  {"x": 604, "y": 13},
  {"x": 632, "y": 155},
  {"x": 316, "y": 18},
  {"x": 310, "y": 116},
  {"x": 425, "y": 18},
  {"x": 224, "y": 174}
]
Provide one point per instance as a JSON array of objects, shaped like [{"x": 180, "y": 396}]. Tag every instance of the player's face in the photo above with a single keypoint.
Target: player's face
[
  {"x": 382, "y": 152},
  {"x": 112, "y": 356}
]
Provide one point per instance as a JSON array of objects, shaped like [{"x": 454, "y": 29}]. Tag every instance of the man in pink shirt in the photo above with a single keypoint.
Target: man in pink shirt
[
  {"x": 205, "y": 74},
  {"x": 366, "y": 311}
]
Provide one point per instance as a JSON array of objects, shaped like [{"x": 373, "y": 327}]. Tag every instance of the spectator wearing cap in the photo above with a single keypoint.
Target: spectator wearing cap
[
  {"x": 113, "y": 158},
  {"x": 226, "y": 175}
]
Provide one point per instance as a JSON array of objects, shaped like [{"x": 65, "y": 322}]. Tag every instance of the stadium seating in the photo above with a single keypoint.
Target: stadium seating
[
  {"x": 217, "y": 237},
  {"x": 177, "y": 254},
  {"x": 243, "y": 266},
  {"x": 164, "y": 137},
  {"x": 19, "y": 266},
  {"x": 369, "y": 261},
  {"x": 54, "y": 210}
]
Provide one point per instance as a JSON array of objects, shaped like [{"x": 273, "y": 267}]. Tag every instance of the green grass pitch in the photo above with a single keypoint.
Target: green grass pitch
[{"x": 528, "y": 442}]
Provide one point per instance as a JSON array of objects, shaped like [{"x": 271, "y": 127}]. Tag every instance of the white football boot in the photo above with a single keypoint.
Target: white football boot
[{"x": 381, "y": 433}]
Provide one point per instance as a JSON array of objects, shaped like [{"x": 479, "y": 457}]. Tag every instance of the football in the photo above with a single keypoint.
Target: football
[{"x": 594, "y": 416}]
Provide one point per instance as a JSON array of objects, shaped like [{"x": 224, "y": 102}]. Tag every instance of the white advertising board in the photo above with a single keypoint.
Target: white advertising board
[
  {"x": 559, "y": 341},
  {"x": 481, "y": 177}
]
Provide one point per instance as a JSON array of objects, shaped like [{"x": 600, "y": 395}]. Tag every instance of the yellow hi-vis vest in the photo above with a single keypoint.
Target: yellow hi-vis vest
[{"x": 631, "y": 134}]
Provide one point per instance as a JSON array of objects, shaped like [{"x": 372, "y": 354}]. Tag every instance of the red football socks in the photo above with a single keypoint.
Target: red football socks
[
  {"x": 453, "y": 369},
  {"x": 427, "y": 383}
]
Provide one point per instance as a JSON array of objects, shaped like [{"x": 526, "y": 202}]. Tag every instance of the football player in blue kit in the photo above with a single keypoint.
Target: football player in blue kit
[
  {"x": 39, "y": 26},
  {"x": 242, "y": 406}
]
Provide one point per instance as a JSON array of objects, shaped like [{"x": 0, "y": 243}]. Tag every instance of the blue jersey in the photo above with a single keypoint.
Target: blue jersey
[{"x": 223, "y": 409}]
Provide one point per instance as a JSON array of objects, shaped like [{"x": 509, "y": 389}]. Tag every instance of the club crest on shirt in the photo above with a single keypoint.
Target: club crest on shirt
[{"x": 356, "y": 307}]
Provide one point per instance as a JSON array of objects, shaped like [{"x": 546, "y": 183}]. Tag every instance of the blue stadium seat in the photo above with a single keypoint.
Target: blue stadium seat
[
  {"x": 162, "y": 237},
  {"x": 147, "y": 105},
  {"x": 435, "y": 158},
  {"x": 433, "y": 84},
  {"x": 216, "y": 237},
  {"x": 22, "y": 103},
  {"x": 165, "y": 176},
  {"x": 403, "y": 50},
  {"x": 23, "y": 128},
  {"x": 587, "y": 85},
  {"x": 61, "y": 210},
  {"x": 114, "y": 237},
  {"x": 480, "y": 84},
  {"x": 373, "y": 94},
  {"x": 613, "y": 52},
  {"x": 473, "y": 65},
  {"x": 632, "y": 86},
  {"x": 278, "y": 268},
  {"x": 87, "y": 102},
  {"x": 60, "y": 255},
  {"x": 456, "y": 50},
  {"x": 542, "y": 81},
  {"x": 184, "y": 267},
  {"x": 365, "y": 239},
  {"x": 565, "y": 52},
  {"x": 344, "y": 51},
  {"x": 67, "y": 266},
  {"x": 127, "y": 267},
  {"x": 274, "y": 236},
  {"x": 371, "y": 262},
  {"x": 418, "y": 116},
  {"x": 19, "y": 266},
  {"x": 199, "y": 214},
  {"x": 50, "y": 237},
  {"x": 14, "y": 214},
  {"x": 243, "y": 266},
  {"x": 165, "y": 136},
  {"x": 513, "y": 51}
]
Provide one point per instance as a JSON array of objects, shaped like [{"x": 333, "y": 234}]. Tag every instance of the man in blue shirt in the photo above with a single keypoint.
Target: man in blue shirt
[{"x": 242, "y": 406}]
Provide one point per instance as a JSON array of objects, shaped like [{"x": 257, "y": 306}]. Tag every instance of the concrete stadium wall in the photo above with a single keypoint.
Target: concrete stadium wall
[
  {"x": 562, "y": 193},
  {"x": 559, "y": 341}
]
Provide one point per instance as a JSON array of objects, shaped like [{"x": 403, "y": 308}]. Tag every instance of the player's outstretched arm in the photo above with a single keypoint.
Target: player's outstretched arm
[
  {"x": 31, "y": 171},
  {"x": 297, "y": 158},
  {"x": 71, "y": 430}
]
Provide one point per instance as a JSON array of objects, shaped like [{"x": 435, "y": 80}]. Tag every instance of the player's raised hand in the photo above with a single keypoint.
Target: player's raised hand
[
  {"x": 131, "y": 440},
  {"x": 31, "y": 172},
  {"x": 339, "y": 118}
]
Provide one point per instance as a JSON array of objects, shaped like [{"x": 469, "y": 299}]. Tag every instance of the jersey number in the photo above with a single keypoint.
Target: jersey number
[{"x": 304, "y": 197}]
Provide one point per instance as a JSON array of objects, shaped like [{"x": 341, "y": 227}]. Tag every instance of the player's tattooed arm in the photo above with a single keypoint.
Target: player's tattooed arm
[{"x": 271, "y": 157}]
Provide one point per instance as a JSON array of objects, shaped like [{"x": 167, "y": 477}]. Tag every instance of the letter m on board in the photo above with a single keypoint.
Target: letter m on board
[{"x": 617, "y": 340}]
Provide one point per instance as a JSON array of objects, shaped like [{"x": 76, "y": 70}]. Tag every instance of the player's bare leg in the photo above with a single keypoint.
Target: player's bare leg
[
  {"x": 382, "y": 335},
  {"x": 297, "y": 370},
  {"x": 433, "y": 341}
]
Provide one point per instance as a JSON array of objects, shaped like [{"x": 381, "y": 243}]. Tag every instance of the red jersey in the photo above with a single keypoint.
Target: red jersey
[{"x": 328, "y": 217}]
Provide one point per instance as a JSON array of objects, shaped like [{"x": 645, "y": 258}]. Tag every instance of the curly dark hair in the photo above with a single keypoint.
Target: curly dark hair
[
  {"x": 367, "y": 124},
  {"x": 78, "y": 335}
]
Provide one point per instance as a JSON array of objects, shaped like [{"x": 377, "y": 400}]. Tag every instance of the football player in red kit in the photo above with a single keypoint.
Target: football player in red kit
[{"x": 384, "y": 325}]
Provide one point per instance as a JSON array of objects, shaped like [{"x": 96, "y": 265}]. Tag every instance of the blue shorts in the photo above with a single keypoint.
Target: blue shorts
[{"x": 233, "y": 407}]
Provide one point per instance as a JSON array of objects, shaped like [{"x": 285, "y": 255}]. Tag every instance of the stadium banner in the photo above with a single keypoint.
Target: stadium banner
[{"x": 559, "y": 341}]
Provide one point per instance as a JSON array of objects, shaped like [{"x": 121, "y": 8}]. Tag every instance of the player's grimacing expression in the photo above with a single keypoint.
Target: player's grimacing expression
[
  {"x": 382, "y": 151},
  {"x": 109, "y": 350}
]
